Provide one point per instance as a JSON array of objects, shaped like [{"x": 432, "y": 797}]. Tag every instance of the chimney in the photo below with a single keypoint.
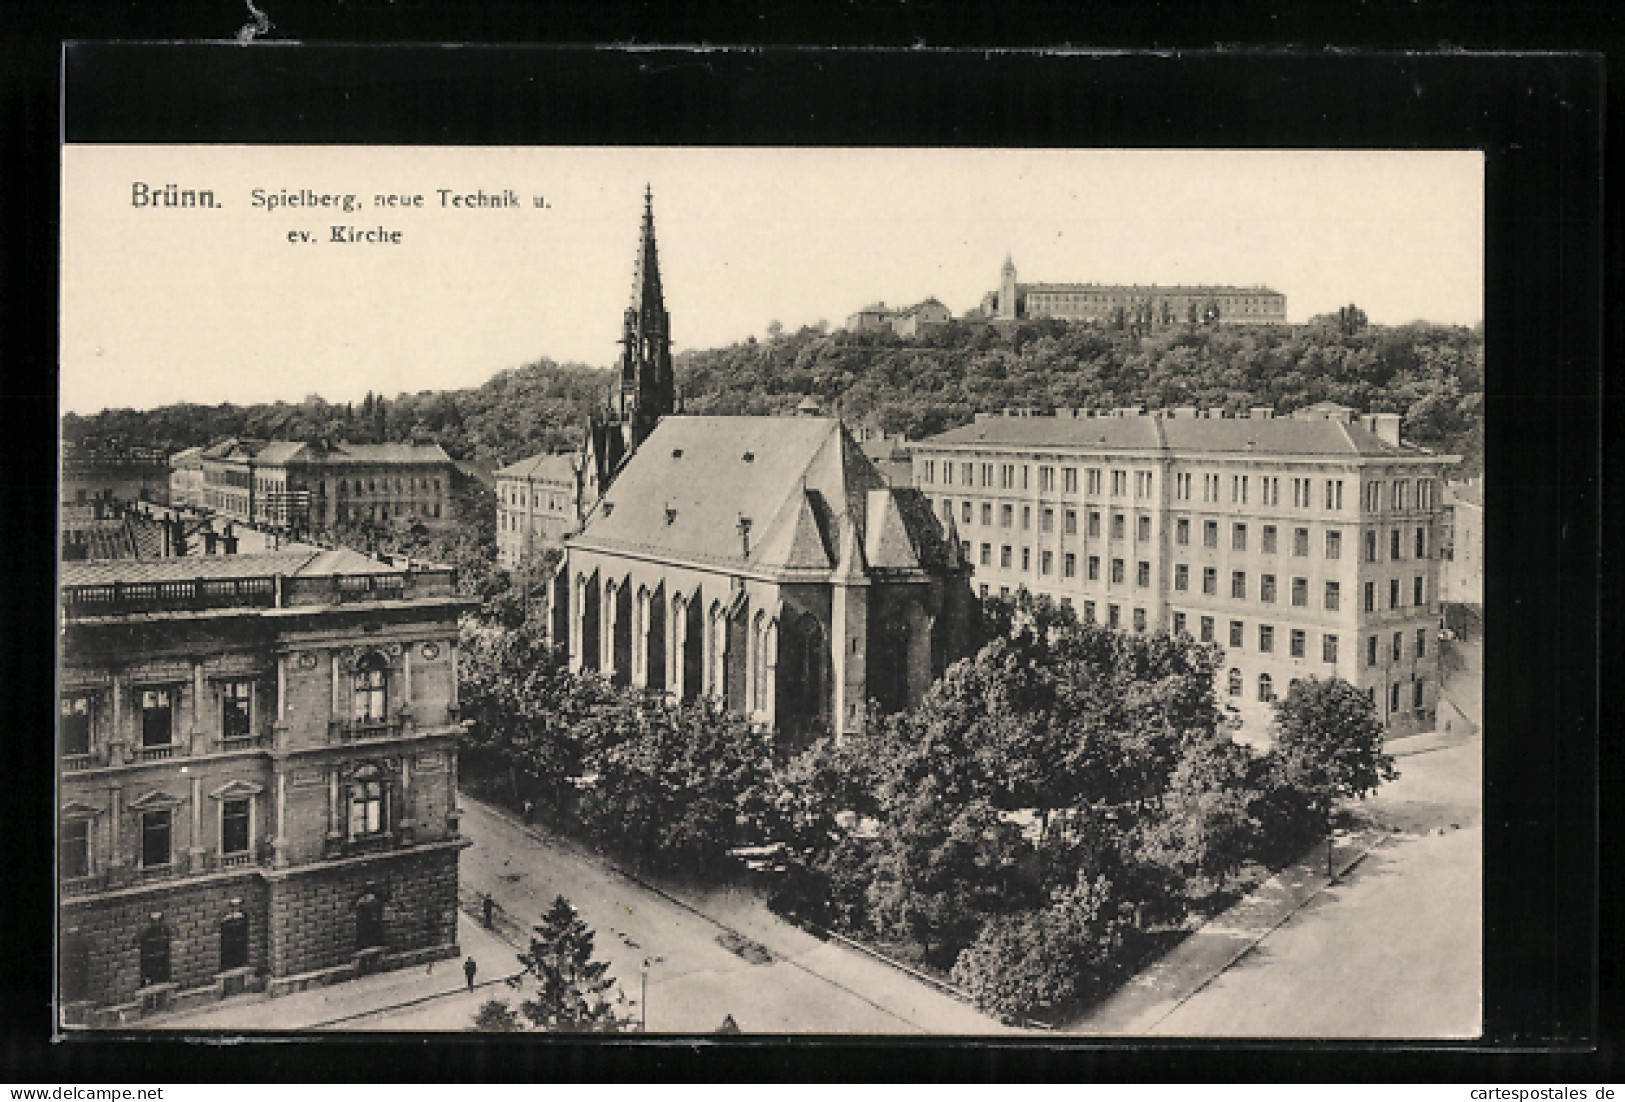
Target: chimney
[
  {"x": 1386, "y": 427},
  {"x": 1184, "y": 413},
  {"x": 1262, "y": 413},
  {"x": 1215, "y": 413},
  {"x": 744, "y": 535}
]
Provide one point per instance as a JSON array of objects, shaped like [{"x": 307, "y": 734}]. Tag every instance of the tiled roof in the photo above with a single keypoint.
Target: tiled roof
[
  {"x": 387, "y": 453},
  {"x": 1262, "y": 436},
  {"x": 281, "y": 451},
  {"x": 554, "y": 466},
  {"x": 802, "y": 482}
]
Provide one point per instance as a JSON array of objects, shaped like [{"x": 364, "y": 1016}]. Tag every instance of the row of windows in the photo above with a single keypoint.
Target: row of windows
[
  {"x": 410, "y": 485},
  {"x": 519, "y": 499},
  {"x": 1396, "y": 649},
  {"x": 1396, "y": 545},
  {"x": 1396, "y": 592},
  {"x": 1012, "y": 476},
  {"x": 1069, "y": 564},
  {"x": 1400, "y": 493},
  {"x": 78, "y": 713},
  {"x": 1331, "y": 600},
  {"x": 1046, "y": 519},
  {"x": 384, "y": 511}
]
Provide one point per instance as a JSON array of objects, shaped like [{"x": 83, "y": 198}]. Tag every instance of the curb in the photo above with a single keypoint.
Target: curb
[{"x": 1342, "y": 868}]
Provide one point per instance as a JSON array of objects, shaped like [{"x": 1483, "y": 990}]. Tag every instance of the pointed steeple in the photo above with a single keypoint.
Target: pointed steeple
[{"x": 647, "y": 390}]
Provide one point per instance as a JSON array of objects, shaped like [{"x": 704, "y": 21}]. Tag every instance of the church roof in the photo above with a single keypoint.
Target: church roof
[{"x": 813, "y": 501}]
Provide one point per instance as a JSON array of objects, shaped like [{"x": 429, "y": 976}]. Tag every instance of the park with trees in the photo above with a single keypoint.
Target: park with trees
[{"x": 1061, "y": 808}]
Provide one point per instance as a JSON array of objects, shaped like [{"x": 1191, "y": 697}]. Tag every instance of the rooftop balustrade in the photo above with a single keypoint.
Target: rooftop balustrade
[{"x": 264, "y": 591}]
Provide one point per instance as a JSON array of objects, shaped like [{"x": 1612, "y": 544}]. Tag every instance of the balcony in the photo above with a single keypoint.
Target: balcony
[
  {"x": 261, "y": 741},
  {"x": 83, "y": 885},
  {"x": 74, "y": 763},
  {"x": 155, "y": 753},
  {"x": 359, "y": 730},
  {"x": 195, "y": 594}
]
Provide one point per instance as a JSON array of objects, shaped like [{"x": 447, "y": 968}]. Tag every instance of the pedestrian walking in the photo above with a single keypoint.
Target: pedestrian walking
[
  {"x": 469, "y": 968},
  {"x": 490, "y": 910},
  {"x": 529, "y": 807}
]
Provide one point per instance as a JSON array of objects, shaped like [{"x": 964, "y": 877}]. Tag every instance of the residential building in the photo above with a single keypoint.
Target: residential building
[
  {"x": 315, "y": 487},
  {"x": 904, "y": 321},
  {"x": 764, "y": 563},
  {"x": 1303, "y": 545},
  {"x": 1133, "y": 304},
  {"x": 186, "y": 479},
  {"x": 539, "y": 502},
  {"x": 1464, "y": 542},
  {"x": 258, "y": 760},
  {"x": 113, "y": 474}
]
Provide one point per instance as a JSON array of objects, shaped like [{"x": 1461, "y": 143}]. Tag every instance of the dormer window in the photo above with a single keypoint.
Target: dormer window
[
  {"x": 677, "y": 453},
  {"x": 749, "y": 457}
]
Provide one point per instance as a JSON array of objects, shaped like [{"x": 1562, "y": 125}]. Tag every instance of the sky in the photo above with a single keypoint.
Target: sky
[{"x": 165, "y": 304}]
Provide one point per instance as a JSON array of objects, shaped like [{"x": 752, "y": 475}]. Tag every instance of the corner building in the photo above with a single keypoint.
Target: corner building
[
  {"x": 1305, "y": 546},
  {"x": 258, "y": 760}
]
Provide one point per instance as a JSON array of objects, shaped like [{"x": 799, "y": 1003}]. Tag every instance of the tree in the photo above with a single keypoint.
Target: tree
[
  {"x": 1046, "y": 960},
  {"x": 572, "y": 992},
  {"x": 1207, "y": 822},
  {"x": 1328, "y": 743}
]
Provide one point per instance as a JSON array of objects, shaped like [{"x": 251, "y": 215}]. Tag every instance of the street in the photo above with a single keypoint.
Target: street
[{"x": 1393, "y": 949}]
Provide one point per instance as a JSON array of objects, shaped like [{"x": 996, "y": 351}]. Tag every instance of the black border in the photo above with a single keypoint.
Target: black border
[{"x": 1538, "y": 117}]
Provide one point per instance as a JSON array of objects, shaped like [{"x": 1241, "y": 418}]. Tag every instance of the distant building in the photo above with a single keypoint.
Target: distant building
[
  {"x": 186, "y": 479},
  {"x": 905, "y": 321},
  {"x": 887, "y": 451},
  {"x": 129, "y": 474},
  {"x": 1464, "y": 542},
  {"x": 1305, "y": 546},
  {"x": 764, "y": 563},
  {"x": 258, "y": 760},
  {"x": 1145, "y": 306},
  {"x": 539, "y": 502},
  {"x": 314, "y": 487}
]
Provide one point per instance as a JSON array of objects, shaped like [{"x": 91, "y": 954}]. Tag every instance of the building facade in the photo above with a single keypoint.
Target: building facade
[
  {"x": 1305, "y": 546},
  {"x": 539, "y": 502},
  {"x": 309, "y": 487},
  {"x": 186, "y": 479},
  {"x": 1144, "y": 306},
  {"x": 1464, "y": 542},
  {"x": 258, "y": 762},
  {"x": 763, "y": 563},
  {"x": 904, "y": 321}
]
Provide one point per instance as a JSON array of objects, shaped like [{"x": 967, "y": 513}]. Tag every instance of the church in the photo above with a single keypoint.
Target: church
[{"x": 763, "y": 563}]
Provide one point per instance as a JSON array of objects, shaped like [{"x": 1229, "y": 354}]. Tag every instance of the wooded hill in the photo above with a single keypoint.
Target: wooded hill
[{"x": 1430, "y": 374}]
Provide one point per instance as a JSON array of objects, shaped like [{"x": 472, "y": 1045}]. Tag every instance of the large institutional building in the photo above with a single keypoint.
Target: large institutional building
[
  {"x": 258, "y": 757},
  {"x": 1148, "y": 305},
  {"x": 310, "y": 487},
  {"x": 1306, "y": 545},
  {"x": 539, "y": 502}
]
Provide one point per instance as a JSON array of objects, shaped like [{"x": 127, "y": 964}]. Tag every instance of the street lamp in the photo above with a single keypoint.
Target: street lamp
[{"x": 643, "y": 998}]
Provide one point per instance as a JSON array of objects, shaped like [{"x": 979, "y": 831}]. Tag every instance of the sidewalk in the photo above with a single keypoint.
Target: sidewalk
[
  {"x": 1154, "y": 994},
  {"x": 432, "y": 996}
]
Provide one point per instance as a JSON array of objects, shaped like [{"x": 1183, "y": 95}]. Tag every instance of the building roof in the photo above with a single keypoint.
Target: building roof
[
  {"x": 813, "y": 500},
  {"x": 304, "y": 560},
  {"x": 187, "y": 455},
  {"x": 1146, "y": 288},
  {"x": 1153, "y": 433},
  {"x": 552, "y": 466}
]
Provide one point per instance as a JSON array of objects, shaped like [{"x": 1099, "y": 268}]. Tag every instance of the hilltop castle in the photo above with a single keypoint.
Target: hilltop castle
[{"x": 1132, "y": 304}]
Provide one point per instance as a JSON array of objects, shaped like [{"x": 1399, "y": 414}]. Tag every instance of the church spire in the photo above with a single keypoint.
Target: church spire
[{"x": 647, "y": 389}]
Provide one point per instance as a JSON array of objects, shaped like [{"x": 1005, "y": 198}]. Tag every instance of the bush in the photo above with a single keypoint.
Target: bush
[{"x": 1048, "y": 960}]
